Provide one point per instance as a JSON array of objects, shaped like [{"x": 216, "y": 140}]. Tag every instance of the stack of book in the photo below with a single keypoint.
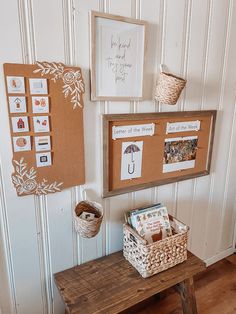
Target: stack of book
[{"x": 151, "y": 223}]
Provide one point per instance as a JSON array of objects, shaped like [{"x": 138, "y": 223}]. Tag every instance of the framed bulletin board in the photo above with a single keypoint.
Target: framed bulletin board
[
  {"x": 148, "y": 149},
  {"x": 45, "y": 106},
  {"x": 117, "y": 57}
]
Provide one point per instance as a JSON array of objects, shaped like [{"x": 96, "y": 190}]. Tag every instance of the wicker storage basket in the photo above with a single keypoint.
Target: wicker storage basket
[
  {"x": 168, "y": 88},
  {"x": 150, "y": 259},
  {"x": 86, "y": 228}
]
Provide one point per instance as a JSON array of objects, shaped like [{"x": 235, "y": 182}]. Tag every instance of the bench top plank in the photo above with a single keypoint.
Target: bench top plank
[{"x": 110, "y": 284}]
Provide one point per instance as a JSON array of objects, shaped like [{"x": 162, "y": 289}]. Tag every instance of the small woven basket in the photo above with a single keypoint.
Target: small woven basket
[
  {"x": 169, "y": 88},
  {"x": 150, "y": 259},
  {"x": 88, "y": 228}
]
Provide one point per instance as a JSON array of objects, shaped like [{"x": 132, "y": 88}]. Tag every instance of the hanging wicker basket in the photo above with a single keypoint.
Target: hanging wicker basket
[
  {"x": 169, "y": 88},
  {"x": 88, "y": 228}
]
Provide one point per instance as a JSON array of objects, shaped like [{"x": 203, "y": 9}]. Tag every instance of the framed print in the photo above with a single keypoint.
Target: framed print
[
  {"x": 117, "y": 57},
  {"x": 143, "y": 150}
]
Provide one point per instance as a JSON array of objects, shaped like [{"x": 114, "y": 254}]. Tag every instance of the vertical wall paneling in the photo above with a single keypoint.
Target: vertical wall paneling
[
  {"x": 194, "y": 39},
  {"x": 216, "y": 82},
  {"x": 117, "y": 205},
  {"x": 68, "y": 10},
  {"x": 7, "y": 287},
  {"x": 91, "y": 248},
  {"x": 228, "y": 206}
]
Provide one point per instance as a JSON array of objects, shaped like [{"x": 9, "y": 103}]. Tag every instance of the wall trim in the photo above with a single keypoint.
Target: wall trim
[{"x": 219, "y": 256}]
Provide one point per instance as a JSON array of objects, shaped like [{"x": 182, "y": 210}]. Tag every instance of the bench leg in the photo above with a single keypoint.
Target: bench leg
[{"x": 187, "y": 293}]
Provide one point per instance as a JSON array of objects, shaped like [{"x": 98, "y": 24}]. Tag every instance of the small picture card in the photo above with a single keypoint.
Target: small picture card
[
  {"x": 20, "y": 124},
  {"x": 42, "y": 143},
  {"x": 17, "y": 104},
  {"x": 41, "y": 124},
  {"x": 87, "y": 216},
  {"x": 40, "y": 104},
  {"x": 43, "y": 159},
  {"x": 21, "y": 143},
  {"x": 16, "y": 84},
  {"x": 38, "y": 86},
  {"x": 131, "y": 160}
]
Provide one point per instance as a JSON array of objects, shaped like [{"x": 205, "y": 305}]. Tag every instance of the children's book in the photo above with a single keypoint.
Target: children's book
[{"x": 152, "y": 223}]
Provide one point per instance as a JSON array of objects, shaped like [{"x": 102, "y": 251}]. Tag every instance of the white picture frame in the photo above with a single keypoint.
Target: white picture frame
[{"x": 118, "y": 46}]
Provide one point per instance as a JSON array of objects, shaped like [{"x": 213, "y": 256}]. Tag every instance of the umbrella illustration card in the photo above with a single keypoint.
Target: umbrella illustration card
[{"x": 131, "y": 160}]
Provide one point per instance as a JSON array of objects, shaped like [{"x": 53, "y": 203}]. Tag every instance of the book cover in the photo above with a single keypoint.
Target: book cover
[{"x": 152, "y": 224}]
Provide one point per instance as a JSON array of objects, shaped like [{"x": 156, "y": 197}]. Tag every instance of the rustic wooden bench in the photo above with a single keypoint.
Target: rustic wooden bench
[{"x": 111, "y": 285}]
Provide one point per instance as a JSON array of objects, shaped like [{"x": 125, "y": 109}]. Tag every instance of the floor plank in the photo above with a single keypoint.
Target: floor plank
[{"x": 215, "y": 293}]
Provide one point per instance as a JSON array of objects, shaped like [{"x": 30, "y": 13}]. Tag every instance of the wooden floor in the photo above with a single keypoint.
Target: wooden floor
[{"x": 215, "y": 293}]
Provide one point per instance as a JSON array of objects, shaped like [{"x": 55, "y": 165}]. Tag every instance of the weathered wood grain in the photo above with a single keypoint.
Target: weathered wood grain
[{"x": 110, "y": 284}]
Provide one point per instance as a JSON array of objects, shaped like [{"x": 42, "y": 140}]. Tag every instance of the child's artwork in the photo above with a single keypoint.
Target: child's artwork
[
  {"x": 179, "y": 153},
  {"x": 20, "y": 124},
  {"x": 43, "y": 159},
  {"x": 21, "y": 143},
  {"x": 41, "y": 124},
  {"x": 38, "y": 86},
  {"x": 42, "y": 143},
  {"x": 17, "y": 104},
  {"x": 40, "y": 104},
  {"x": 131, "y": 160},
  {"x": 15, "y": 84}
]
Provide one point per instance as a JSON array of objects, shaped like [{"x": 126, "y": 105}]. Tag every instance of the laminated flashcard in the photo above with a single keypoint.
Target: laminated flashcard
[
  {"x": 40, "y": 104},
  {"x": 41, "y": 124},
  {"x": 38, "y": 86},
  {"x": 15, "y": 84},
  {"x": 21, "y": 143},
  {"x": 131, "y": 160},
  {"x": 43, "y": 159},
  {"x": 20, "y": 124},
  {"x": 42, "y": 143},
  {"x": 179, "y": 153},
  {"x": 17, "y": 104}
]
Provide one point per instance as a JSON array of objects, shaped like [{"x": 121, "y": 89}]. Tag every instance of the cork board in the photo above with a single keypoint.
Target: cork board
[
  {"x": 45, "y": 108},
  {"x": 174, "y": 146}
]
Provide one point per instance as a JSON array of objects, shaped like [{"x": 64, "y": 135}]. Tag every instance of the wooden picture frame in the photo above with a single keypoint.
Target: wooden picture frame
[
  {"x": 118, "y": 47},
  {"x": 175, "y": 146}
]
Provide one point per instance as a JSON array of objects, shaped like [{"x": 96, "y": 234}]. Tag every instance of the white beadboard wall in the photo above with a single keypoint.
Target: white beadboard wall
[{"x": 195, "y": 39}]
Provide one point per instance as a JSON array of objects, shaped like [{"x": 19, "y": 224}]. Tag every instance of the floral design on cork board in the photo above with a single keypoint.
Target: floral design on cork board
[
  {"x": 73, "y": 81},
  {"x": 25, "y": 182}
]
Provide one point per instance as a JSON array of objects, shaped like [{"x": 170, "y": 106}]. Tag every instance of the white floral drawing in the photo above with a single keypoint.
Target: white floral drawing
[
  {"x": 73, "y": 81},
  {"x": 25, "y": 182}
]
